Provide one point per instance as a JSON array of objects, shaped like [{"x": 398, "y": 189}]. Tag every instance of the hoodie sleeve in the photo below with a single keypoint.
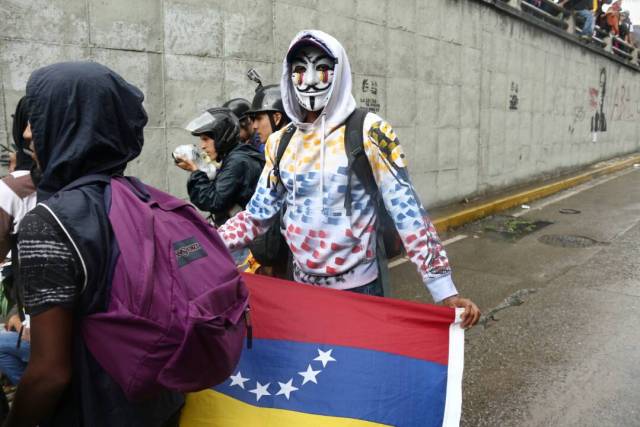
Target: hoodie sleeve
[
  {"x": 416, "y": 230},
  {"x": 261, "y": 210}
]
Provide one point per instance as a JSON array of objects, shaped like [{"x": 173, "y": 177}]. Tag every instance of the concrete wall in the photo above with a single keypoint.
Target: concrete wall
[{"x": 480, "y": 101}]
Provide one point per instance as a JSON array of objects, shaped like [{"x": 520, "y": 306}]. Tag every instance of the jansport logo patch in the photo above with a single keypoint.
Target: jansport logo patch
[{"x": 188, "y": 250}]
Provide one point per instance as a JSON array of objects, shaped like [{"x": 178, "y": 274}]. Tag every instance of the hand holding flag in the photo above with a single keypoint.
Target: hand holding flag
[{"x": 322, "y": 357}]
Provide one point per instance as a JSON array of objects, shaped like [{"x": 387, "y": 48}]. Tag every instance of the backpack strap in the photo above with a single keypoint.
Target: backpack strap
[
  {"x": 357, "y": 160},
  {"x": 136, "y": 186},
  {"x": 282, "y": 146},
  {"x": 87, "y": 179}
]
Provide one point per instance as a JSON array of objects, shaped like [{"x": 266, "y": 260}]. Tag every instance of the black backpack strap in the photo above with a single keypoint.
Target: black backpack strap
[
  {"x": 87, "y": 179},
  {"x": 282, "y": 146},
  {"x": 134, "y": 184},
  {"x": 356, "y": 156}
]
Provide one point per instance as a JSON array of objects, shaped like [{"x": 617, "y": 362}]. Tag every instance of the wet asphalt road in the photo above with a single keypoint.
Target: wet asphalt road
[{"x": 569, "y": 355}]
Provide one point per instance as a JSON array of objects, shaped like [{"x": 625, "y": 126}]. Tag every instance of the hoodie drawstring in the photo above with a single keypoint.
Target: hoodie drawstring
[
  {"x": 295, "y": 169},
  {"x": 322, "y": 143}
]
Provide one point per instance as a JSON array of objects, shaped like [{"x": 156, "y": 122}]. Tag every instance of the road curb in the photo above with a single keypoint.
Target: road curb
[{"x": 456, "y": 219}]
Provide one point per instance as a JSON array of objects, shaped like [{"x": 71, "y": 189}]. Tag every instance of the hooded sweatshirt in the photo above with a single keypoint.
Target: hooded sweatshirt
[
  {"x": 85, "y": 120},
  {"x": 331, "y": 248}
]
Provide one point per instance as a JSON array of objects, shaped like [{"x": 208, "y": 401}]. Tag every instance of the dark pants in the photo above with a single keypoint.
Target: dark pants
[
  {"x": 381, "y": 286},
  {"x": 174, "y": 421},
  {"x": 374, "y": 288}
]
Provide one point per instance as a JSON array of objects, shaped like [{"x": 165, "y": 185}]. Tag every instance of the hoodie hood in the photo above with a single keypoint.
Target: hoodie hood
[
  {"x": 85, "y": 119},
  {"x": 341, "y": 102}
]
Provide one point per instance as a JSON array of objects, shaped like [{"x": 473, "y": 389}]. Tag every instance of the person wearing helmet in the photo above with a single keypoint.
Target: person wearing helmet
[
  {"x": 241, "y": 165},
  {"x": 240, "y": 107},
  {"x": 268, "y": 116},
  {"x": 267, "y": 113}
]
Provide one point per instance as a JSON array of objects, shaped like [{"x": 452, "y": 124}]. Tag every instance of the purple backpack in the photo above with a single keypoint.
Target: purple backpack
[{"x": 176, "y": 314}]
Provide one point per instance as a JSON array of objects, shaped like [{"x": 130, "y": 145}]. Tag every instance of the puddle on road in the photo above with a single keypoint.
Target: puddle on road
[{"x": 510, "y": 228}]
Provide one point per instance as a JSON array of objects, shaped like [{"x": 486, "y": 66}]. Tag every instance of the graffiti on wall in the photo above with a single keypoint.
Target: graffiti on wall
[
  {"x": 599, "y": 120},
  {"x": 369, "y": 97},
  {"x": 621, "y": 104},
  {"x": 513, "y": 96},
  {"x": 578, "y": 115}
]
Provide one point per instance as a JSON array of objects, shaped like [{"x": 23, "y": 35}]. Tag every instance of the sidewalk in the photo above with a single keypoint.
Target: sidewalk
[{"x": 453, "y": 216}]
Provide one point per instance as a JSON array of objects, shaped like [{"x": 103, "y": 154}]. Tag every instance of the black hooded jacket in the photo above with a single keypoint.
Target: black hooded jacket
[
  {"x": 234, "y": 184},
  {"x": 87, "y": 120},
  {"x": 20, "y": 121}
]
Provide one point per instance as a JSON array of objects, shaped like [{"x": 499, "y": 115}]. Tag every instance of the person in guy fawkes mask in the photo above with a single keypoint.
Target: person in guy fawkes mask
[
  {"x": 330, "y": 221},
  {"x": 241, "y": 164},
  {"x": 85, "y": 120}
]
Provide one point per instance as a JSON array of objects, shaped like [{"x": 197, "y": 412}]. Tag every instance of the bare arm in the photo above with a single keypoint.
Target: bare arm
[
  {"x": 48, "y": 373},
  {"x": 6, "y": 224}
]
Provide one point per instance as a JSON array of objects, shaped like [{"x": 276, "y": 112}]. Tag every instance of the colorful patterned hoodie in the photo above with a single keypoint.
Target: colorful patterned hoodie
[{"x": 331, "y": 248}]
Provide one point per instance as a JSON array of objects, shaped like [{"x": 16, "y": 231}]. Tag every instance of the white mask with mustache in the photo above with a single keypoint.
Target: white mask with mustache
[{"x": 312, "y": 77}]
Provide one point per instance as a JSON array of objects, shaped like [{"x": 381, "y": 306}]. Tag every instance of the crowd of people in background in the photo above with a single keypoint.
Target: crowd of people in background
[
  {"x": 613, "y": 20},
  {"x": 595, "y": 17}
]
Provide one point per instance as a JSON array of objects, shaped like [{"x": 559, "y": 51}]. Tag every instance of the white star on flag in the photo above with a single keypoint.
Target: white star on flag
[
  {"x": 260, "y": 390},
  {"x": 238, "y": 380},
  {"x": 286, "y": 388},
  {"x": 325, "y": 357},
  {"x": 309, "y": 375}
]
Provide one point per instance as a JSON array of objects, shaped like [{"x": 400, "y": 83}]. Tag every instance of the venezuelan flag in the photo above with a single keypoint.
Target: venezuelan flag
[{"x": 332, "y": 358}]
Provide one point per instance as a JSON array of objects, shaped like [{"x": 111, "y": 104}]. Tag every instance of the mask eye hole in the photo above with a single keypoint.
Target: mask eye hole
[
  {"x": 297, "y": 74},
  {"x": 323, "y": 71}
]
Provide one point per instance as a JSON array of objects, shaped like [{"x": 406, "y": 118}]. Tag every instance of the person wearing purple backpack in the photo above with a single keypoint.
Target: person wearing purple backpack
[{"x": 85, "y": 120}]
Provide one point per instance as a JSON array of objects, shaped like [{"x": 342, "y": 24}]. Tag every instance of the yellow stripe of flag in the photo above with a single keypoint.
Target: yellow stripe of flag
[{"x": 209, "y": 408}]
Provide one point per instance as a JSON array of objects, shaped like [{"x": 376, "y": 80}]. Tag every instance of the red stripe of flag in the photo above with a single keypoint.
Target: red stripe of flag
[{"x": 283, "y": 310}]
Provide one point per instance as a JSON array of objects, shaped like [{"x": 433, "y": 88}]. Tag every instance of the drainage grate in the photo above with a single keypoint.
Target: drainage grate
[
  {"x": 567, "y": 241},
  {"x": 569, "y": 211}
]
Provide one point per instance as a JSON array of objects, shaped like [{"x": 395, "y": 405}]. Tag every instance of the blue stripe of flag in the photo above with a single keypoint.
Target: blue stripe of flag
[{"x": 361, "y": 384}]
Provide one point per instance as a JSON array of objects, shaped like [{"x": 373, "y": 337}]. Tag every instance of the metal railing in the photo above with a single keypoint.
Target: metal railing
[
  {"x": 547, "y": 16},
  {"x": 623, "y": 44},
  {"x": 554, "y": 14}
]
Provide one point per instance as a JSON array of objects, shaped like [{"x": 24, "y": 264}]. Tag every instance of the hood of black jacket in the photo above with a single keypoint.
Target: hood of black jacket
[
  {"x": 85, "y": 119},
  {"x": 247, "y": 150}
]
